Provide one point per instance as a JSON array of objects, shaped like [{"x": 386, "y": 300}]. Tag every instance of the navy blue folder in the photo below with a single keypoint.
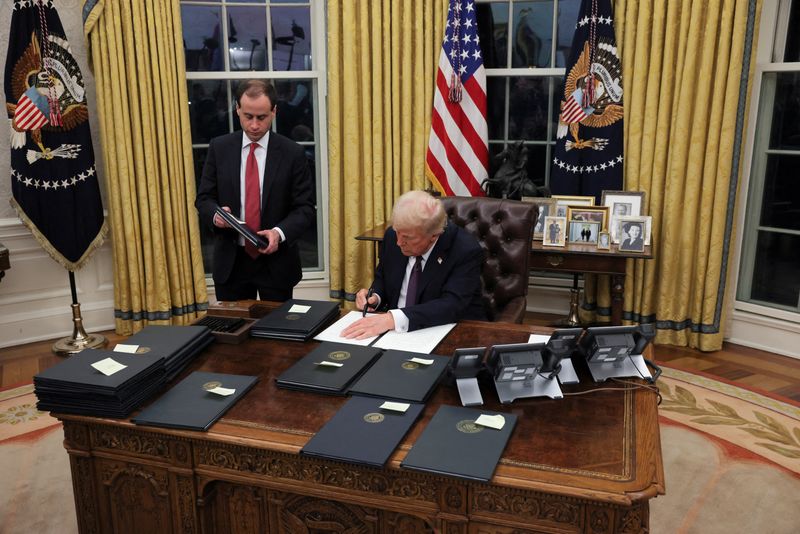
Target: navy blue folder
[
  {"x": 362, "y": 432},
  {"x": 452, "y": 444},
  {"x": 190, "y": 405},
  {"x": 282, "y": 323},
  {"x": 307, "y": 375},
  {"x": 394, "y": 377}
]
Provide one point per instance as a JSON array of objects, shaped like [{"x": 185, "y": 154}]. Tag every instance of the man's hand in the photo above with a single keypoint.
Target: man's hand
[
  {"x": 369, "y": 326},
  {"x": 361, "y": 300},
  {"x": 274, "y": 239},
  {"x": 219, "y": 222}
]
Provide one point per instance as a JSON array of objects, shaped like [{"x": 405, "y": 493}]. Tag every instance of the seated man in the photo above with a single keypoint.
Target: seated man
[{"x": 446, "y": 286}]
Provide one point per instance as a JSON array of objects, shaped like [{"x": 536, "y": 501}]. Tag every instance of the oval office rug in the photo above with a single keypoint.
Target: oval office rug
[{"x": 731, "y": 462}]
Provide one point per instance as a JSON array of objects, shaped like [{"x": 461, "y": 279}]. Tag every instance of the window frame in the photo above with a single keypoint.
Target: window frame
[{"x": 318, "y": 78}]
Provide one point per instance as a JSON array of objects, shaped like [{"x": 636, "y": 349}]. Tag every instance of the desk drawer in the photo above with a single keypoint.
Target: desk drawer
[{"x": 577, "y": 263}]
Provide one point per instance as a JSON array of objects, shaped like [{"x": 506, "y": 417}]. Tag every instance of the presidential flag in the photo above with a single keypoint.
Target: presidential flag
[
  {"x": 53, "y": 179},
  {"x": 457, "y": 161},
  {"x": 588, "y": 154}
]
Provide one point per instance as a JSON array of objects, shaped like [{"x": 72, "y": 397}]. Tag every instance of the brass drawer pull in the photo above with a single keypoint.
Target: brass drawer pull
[{"x": 555, "y": 261}]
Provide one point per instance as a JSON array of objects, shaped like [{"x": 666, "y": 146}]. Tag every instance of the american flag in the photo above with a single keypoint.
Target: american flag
[
  {"x": 31, "y": 109},
  {"x": 457, "y": 161}
]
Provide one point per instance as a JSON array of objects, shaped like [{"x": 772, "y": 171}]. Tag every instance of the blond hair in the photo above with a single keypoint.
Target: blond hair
[{"x": 419, "y": 210}]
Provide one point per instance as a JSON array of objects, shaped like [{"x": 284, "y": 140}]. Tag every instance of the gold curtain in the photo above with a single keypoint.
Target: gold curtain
[
  {"x": 382, "y": 57},
  {"x": 136, "y": 53},
  {"x": 686, "y": 68}
]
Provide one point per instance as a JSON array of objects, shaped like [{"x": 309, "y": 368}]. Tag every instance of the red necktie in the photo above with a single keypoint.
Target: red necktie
[{"x": 252, "y": 198}]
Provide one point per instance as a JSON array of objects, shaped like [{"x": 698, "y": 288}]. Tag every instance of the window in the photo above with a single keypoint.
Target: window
[
  {"x": 769, "y": 270},
  {"x": 226, "y": 41},
  {"x": 525, "y": 46}
]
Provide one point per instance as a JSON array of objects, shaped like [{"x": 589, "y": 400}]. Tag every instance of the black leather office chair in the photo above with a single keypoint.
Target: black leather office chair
[{"x": 504, "y": 229}]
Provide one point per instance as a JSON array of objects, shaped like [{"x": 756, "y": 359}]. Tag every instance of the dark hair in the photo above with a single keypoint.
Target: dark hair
[
  {"x": 255, "y": 88},
  {"x": 627, "y": 226}
]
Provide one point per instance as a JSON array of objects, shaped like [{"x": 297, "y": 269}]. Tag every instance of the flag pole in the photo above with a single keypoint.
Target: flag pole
[{"x": 80, "y": 339}]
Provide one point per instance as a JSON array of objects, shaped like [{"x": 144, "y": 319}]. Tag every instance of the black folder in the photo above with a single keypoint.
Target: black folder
[
  {"x": 74, "y": 386},
  {"x": 242, "y": 228},
  {"x": 362, "y": 432},
  {"x": 307, "y": 375},
  {"x": 179, "y": 345},
  {"x": 452, "y": 444},
  {"x": 282, "y": 323},
  {"x": 190, "y": 405},
  {"x": 394, "y": 377}
]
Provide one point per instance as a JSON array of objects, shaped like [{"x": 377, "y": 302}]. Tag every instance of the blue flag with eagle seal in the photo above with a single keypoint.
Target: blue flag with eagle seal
[
  {"x": 53, "y": 180},
  {"x": 588, "y": 154}
]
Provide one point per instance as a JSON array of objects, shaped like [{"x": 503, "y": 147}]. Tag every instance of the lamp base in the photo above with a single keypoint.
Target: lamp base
[{"x": 80, "y": 339}]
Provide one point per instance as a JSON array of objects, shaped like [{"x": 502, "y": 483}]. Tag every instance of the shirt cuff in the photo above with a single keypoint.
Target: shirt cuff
[
  {"x": 280, "y": 232},
  {"x": 400, "y": 321}
]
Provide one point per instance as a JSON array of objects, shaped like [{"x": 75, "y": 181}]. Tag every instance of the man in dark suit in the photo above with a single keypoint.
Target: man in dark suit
[
  {"x": 262, "y": 178},
  {"x": 447, "y": 285}
]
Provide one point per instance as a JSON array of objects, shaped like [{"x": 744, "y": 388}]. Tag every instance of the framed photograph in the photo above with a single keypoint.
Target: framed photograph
[
  {"x": 634, "y": 232},
  {"x": 598, "y": 214},
  {"x": 584, "y": 232},
  {"x": 555, "y": 231},
  {"x": 547, "y": 206},
  {"x": 621, "y": 204},
  {"x": 604, "y": 241},
  {"x": 562, "y": 201}
]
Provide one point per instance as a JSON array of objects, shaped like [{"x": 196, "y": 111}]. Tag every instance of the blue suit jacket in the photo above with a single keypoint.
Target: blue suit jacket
[
  {"x": 286, "y": 202},
  {"x": 450, "y": 287}
]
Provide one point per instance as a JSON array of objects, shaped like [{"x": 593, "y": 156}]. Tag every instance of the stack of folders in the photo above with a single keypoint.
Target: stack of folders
[
  {"x": 296, "y": 320},
  {"x": 402, "y": 375},
  {"x": 179, "y": 345},
  {"x": 364, "y": 431},
  {"x": 75, "y": 386},
  {"x": 197, "y": 401},
  {"x": 330, "y": 368},
  {"x": 454, "y": 444}
]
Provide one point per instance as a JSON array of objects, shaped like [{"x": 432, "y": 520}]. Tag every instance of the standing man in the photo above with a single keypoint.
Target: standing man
[
  {"x": 429, "y": 273},
  {"x": 263, "y": 179}
]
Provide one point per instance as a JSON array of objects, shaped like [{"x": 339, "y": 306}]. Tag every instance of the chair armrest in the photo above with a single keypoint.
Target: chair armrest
[{"x": 514, "y": 311}]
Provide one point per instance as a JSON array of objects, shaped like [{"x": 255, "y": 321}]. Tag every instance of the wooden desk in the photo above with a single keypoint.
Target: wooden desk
[
  {"x": 586, "y": 463},
  {"x": 573, "y": 258}
]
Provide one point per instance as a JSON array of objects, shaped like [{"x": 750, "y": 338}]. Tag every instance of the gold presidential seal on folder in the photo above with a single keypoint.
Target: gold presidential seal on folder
[
  {"x": 374, "y": 417},
  {"x": 208, "y": 386},
  {"x": 339, "y": 355},
  {"x": 409, "y": 366},
  {"x": 468, "y": 426}
]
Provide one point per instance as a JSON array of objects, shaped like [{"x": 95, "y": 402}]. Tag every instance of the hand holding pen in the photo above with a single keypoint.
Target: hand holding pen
[{"x": 366, "y": 302}]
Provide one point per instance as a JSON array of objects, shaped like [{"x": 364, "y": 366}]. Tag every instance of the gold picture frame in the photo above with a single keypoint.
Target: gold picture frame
[
  {"x": 598, "y": 214},
  {"x": 562, "y": 201},
  {"x": 546, "y": 206}
]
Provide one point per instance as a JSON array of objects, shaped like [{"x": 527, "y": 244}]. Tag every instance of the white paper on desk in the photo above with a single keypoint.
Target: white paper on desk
[
  {"x": 395, "y": 406},
  {"x": 334, "y": 331},
  {"x": 326, "y": 363},
  {"x": 539, "y": 338},
  {"x": 108, "y": 366},
  {"x": 496, "y": 421},
  {"x": 424, "y": 340},
  {"x": 224, "y": 392},
  {"x": 299, "y": 308}
]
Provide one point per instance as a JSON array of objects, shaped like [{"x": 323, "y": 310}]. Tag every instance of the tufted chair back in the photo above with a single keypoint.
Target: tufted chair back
[{"x": 504, "y": 229}]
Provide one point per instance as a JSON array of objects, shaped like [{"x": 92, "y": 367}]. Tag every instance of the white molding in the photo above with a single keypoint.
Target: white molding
[{"x": 764, "y": 333}]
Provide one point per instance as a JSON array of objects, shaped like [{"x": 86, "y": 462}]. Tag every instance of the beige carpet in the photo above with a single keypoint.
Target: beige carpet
[{"x": 731, "y": 461}]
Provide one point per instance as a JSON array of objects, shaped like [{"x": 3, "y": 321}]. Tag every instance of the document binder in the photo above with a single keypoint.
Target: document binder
[
  {"x": 394, "y": 376},
  {"x": 179, "y": 345},
  {"x": 362, "y": 432},
  {"x": 190, "y": 405},
  {"x": 452, "y": 444},
  {"x": 312, "y": 374},
  {"x": 243, "y": 230},
  {"x": 296, "y": 320}
]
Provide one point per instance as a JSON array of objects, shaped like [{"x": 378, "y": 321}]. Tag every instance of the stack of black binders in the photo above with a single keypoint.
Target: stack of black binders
[
  {"x": 74, "y": 386},
  {"x": 179, "y": 345},
  {"x": 296, "y": 320}
]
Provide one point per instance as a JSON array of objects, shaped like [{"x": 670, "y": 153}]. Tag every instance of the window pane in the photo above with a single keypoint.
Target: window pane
[
  {"x": 202, "y": 37},
  {"x": 208, "y": 109},
  {"x": 247, "y": 38},
  {"x": 493, "y": 33},
  {"x": 792, "y": 51},
  {"x": 785, "y": 132},
  {"x": 775, "y": 277},
  {"x": 295, "y": 117},
  {"x": 780, "y": 206},
  {"x": 309, "y": 241},
  {"x": 527, "y": 116},
  {"x": 537, "y": 163},
  {"x": 496, "y": 107},
  {"x": 567, "y": 19},
  {"x": 533, "y": 34},
  {"x": 291, "y": 38}
]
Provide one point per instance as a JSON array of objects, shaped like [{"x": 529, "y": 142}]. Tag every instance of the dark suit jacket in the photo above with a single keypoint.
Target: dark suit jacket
[
  {"x": 449, "y": 290},
  {"x": 629, "y": 244},
  {"x": 286, "y": 202}
]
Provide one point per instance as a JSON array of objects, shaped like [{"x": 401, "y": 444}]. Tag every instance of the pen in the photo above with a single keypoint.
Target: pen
[{"x": 366, "y": 303}]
